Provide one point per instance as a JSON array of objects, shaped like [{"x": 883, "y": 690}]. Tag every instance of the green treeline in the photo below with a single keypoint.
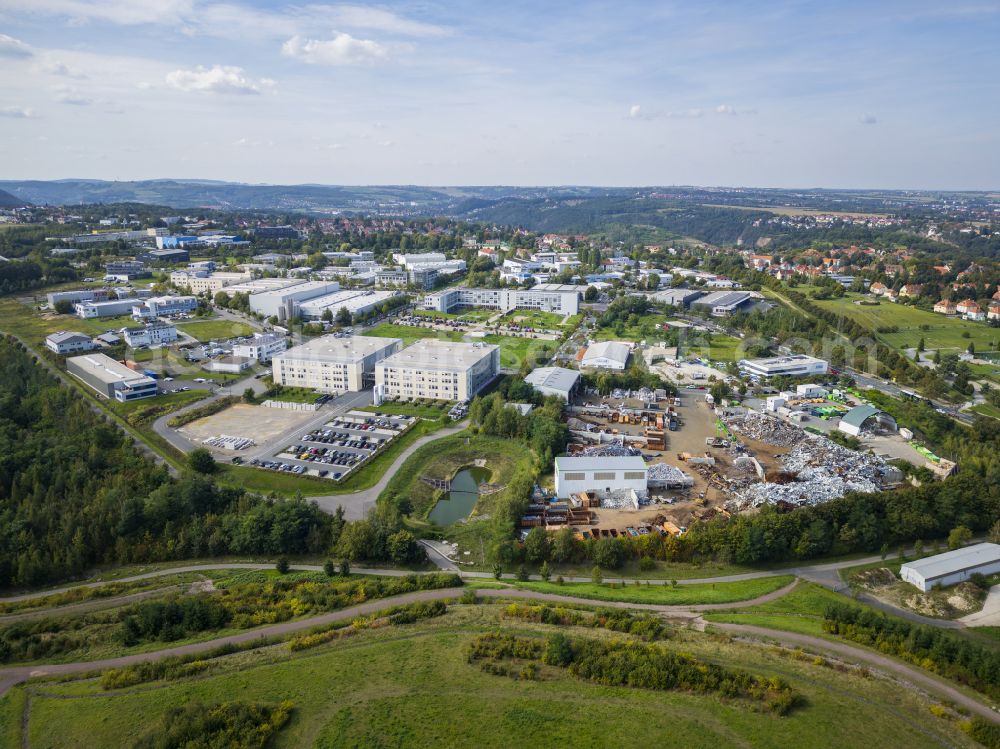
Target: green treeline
[
  {"x": 230, "y": 725},
  {"x": 932, "y": 648}
]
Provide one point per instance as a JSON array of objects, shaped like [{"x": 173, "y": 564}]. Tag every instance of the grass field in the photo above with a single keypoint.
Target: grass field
[
  {"x": 533, "y": 318},
  {"x": 441, "y": 458},
  {"x": 986, "y": 410},
  {"x": 682, "y": 595},
  {"x": 422, "y": 410},
  {"x": 513, "y": 351},
  {"x": 26, "y": 321},
  {"x": 215, "y": 330},
  {"x": 944, "y": 333},
  {"x": 411, "y": 685},
  {"x": 801, "y": 611}
]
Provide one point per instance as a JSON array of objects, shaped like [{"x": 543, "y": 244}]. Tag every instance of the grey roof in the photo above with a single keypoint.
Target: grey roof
[
  {"x": 723, "y": 299},
  {"x": 955, "y": 561},
  {"x": 676, "y": 296},
  {"x": 557, "y": 378},
  {"x": 64, "y": 336},
  {"x": 615, "y": 350},
  {"x": 859, "y": 415},
  {"x": 597, "y": 462}
]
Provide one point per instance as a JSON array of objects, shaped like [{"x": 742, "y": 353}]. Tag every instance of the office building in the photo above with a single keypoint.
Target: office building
[
  {"x": 554, "y": 381},
  {"x": 198, "y": 282},
  {"x": 260, "y": 285},
  {"x": 284, "y": 303},
  {"x": 154, "y": 334},
  {"x": 443, "y": 370},
  {"x": 563, "y": 300},
  {"x": 173, "y": 241},
  {"x": 77, "y": 295},
  {"x": 676, "y": 297},
  {"x": 111, "y": 308},
  {"x": 68, "y": 342},
  {"x": 604, "y": 475},
  {"x": 419, "y": 258},
  {"x": 110, "y": 378},
  {"x": 166, "y": 256},
  {"x": 355, "y": 301},
  {"x": 952, "y": 567},
  {"x": 164, "y": 305},
  {"x": 262, "y": 347},
  {"x": 796, "y": 365},
  {"x": 127, "y": 270},
  {"x": 333, "y": 364},
  {"x": 607, "y": 355}
]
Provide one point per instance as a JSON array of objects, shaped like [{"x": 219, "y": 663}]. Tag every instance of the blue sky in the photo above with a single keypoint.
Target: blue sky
[{"x": 787, "y": 94}]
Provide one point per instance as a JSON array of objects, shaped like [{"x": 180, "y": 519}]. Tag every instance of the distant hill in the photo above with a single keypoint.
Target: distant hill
[{"x": 11, "y": 201}]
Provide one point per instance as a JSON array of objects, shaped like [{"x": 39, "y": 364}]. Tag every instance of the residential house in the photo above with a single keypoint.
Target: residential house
[
  {"x": 994, "y": 311},
  {"x": 970, "y": 310},
  {"x": 910, "y": 290},
  {"x": 945, "y": 307}
]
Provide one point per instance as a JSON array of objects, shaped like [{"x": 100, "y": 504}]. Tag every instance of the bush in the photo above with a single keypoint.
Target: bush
[
  {"x": 329, "y": 568},
  {"x": 282, "y": 566},
  {"x": 201, "y": 460},
  {"x": 647, "y": 564},
  {"x": 231, "y": 724}
]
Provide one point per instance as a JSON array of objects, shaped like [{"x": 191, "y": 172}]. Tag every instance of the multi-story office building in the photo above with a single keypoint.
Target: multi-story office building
[
  {"x": 263, "y": 347},
  {"x": 111, "y": 378},
  {"x": 67, "y": 342},
  {"x": 284, "y": 303},
  {"x": 198, "y": 282},
  {"x": 111, "y": 308},
  {"x": 333, "y": 364},
  {"x": 563, "y": 300},
  {"x": 164, "y": 305},
  {"x": 154, "y": 334},
  {"x": 797, "y": 365},
  {"x": 127, "y": 270},
  {"x": 438, "y": 369}
]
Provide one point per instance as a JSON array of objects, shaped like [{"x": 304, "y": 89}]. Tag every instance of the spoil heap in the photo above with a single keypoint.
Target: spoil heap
[{"x": 766, "y": 429}]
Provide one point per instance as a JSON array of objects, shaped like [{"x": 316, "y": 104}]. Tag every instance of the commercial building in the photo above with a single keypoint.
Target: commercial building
[
  {"x": 77, "y": 295},
  {"x": 228, "y": 364},
  {"x": 260, "y": 285},
  {"x": 796, "y": 365},
  {"x": 677, "y": 297},
  {"x": 67, "y": 342},
  {"x": 554, "y": 381},
  {"x": 164, "y": 305},
  {"x": 355, "y": 301},
  {"x": 607, "y": 355},
  {"x": 333, "y": 364},
  {"x": 419, "y": 258},
  {"x": 599, "y": 474},
  {"x": 111, "y": 378},
  {"x": 127, "y": 270},
  {"x": 198, "y": 282},
  {"x": 952, "y": 567},
  {"x": 154, "y": 334},
  {"x": 262, "y": 347},
  {"x": 438, "y": 369},
  {"x": 173, "y": 241},
  {"x": 725, "y": 303},
  {"x": 563, "y": 300},
  {"x": 111, "y": 308},
  {"x": 854, "y": 420},
  {"x": 284, "y": 303},
  {"x": 166, "y": 256}
]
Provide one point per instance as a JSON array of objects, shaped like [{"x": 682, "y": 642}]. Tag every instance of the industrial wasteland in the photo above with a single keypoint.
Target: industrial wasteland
[{"x": 411, "y": 467}]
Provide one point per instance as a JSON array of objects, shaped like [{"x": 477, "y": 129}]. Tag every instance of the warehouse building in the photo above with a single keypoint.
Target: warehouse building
[
  {"x": 858, "y": 417},
  {"x": 355, "y": 301},
  {"x": 67, "y": 342},
  {"x": 607, "y": 355},
  {"x": 154, "y": 334},
  {"x": 554, "y": 381},
  {"x": 260, "y": 285},
  {"x": 725, "y": 303},
  {"x": 605, "y": 475},
  {"x": 438, "y": 369},
  {"x": 126, "y": 270},
  {"x": 172, "y": 255},
  {"x": 333, "y": 364},
  {"x": 111, "y": 378},
  {"x": 563, "y": 300},
  {"x": 952, "y": 567},
  {"x": 164, "y": 305},
  {"x": 77, "y": 295},
  {"x": 677, "y": 297},
  {"x": 796, "y": 365},
  {"x": 284, "y": 303},
  {"x": 112, "y": 308},
  {"x": 263, "y": 347}
]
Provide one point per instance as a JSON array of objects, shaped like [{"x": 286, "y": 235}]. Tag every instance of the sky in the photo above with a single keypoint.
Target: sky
[{"x": 756, "y": 93}]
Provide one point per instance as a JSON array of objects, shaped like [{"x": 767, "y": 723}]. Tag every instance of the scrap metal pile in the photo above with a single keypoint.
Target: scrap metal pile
[
  {"x": 610, "y": 451},
  {"x": 766, "y": 429},
  {"x": 822, "y": 470}
]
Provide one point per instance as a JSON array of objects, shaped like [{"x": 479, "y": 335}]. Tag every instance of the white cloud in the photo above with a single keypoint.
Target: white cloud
[
  {"x": 343, "y": 49},
  {"x": 219, "y": 79},
  {"x": 635, "y": 112},
  {"x": 54, "y": 67},
  {"x": 360, "y": 17},
  {"x": 121, "y": 12},
  {"x": 869, "y": 119},
  {"x": 725, "y": 109},
  {"x": 18, "y": 113},
  {"x": 11, "y": 47}
]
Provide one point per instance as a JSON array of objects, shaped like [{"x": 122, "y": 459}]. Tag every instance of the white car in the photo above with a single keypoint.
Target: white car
[{"x": 199, "y": 379}]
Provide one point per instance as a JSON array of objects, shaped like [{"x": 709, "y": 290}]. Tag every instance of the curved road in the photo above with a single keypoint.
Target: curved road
[{"x": 11, "y": 676}]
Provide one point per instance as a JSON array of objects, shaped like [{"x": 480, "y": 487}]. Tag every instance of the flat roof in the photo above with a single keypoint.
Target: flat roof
[
  {"x": 615, "y": 350},
  {"x": 596, "y": 462},
  {"x": 296, "y": 288},
  {"x": 431, "y": 353},
  {"x": 351, "y": 298},
  {"x": 261, "y": 284},
  {"x": 773, "y": 361},
  {"x": 106, "y": 369},
  {"x": 723, "y": 299},
  {"x": 940, "y": 565},
  {"x": 329, "y": 348},
  {"x": 557, "y": 378},
  {"x": 559, "y": 287}
]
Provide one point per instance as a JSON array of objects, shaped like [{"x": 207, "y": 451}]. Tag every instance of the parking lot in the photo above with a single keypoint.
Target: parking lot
[{"x": 338, "y": 447}]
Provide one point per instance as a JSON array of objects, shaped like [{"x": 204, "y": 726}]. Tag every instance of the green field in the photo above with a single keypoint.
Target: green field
[
  {"x": 986, "y": 410},
  {"x": 411, "y": 685},
  {"x": 29, "y": 323},
  {"x": 681, "y": 595},
  {"x": 427, "y": 409},
  {"x": 513, "y": 350},
  {"x": 215, "y": 330},
  {"x": 801, "y": 611},
  {"x": 533, "y": 318},
  {"x": 944, "y": 333}
]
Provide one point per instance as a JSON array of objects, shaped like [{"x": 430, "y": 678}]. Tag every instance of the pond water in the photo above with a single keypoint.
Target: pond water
[{"x": 462, "y": 498}]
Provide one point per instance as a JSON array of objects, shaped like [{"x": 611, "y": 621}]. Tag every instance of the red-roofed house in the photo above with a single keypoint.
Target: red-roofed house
[
  {"x": 945, "y": 307},
  {"x": 878, "y": 288},
  {"x": 970, "y": 310},
  {"x": 910, "y": 290},
  {"x": 994, "y": 311}
]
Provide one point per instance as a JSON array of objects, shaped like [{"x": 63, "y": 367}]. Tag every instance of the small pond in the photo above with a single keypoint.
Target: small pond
[{"x": 462, "y": 498}]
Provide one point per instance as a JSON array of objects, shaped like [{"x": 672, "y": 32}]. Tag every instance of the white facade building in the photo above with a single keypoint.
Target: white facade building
[
  {"x": 198, "y": 282},
  {"x": 285, "y": 303},
  {"x": 164, "y": 305},
  {"x": 262, "y": 347},
  {"x": 599, "y": 474},
  {"x": 607, "y": 355},
  {"x": 113, "y": 308},
  {"x": 154, "y": 334},
  {"x": 110, "y": 378},
  {"x": 563, "y": 300},
  {"x": 438, "y": 369},
  {"x": 419, "y": 258},
  {"x": 355, "y": 301},
  {"x": 554, "y": 381},
  {"x": 333, "y": 364},
  {"x": 66, "y": 342},
  {"x": 797, "y": 365},
  {"x": 952, "y": 567}
]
